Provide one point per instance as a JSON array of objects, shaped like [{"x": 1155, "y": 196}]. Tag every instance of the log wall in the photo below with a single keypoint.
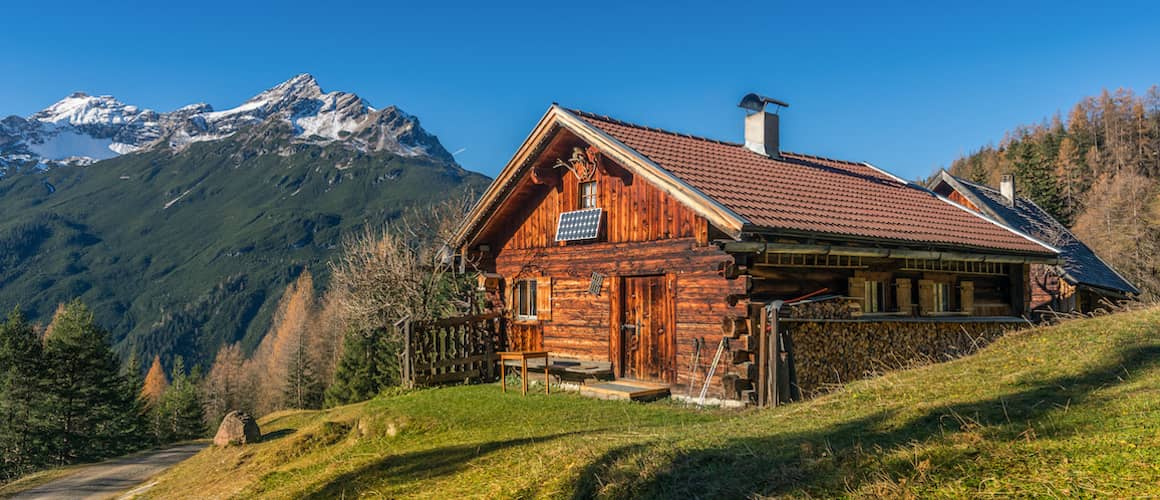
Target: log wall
[{"x": 584, "y": 326}]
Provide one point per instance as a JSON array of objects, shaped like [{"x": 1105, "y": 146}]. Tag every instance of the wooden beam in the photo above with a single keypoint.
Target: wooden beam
[{"x": 757, "y": 247}]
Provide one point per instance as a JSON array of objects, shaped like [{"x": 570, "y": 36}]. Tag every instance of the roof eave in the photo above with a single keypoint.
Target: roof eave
[{"x": 765, "y": 231}]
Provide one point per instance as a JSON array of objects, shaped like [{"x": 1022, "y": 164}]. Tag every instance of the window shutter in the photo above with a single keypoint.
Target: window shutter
[
  {"x": 858, "y": 291},
  {"x": 512, "y": 307},
  {"x": 925, "y": 296},
  {"x": 544, "y": 298},
  {"x": 967, "y": 297},
  {"x": 903, "y": 296}
]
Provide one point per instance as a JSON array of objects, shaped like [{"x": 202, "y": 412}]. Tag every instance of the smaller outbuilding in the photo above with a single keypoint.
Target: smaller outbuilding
[{"x": 1081, "y": 282}]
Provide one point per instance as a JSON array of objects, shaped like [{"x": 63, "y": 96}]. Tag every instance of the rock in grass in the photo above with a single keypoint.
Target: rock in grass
[{"x": 238, "y": 428}]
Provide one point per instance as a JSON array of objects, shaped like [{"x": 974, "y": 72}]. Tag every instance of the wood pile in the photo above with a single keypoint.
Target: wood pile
[
  {"x": 830, "y": 353},
  {"x": 830, "y": 309}
]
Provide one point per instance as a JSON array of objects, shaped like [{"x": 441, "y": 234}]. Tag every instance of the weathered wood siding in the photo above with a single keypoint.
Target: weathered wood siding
[
  {"x": 585, "y": 326},
  {"x": 957, "y": 197},
  {"x": 644, "y": 233},
  {"x": 635, "y": 211}
]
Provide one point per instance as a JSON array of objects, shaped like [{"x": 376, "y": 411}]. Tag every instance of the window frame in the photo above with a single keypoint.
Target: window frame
[
  {"x": 941, "y": 300},
  {"x": 588, "y": 200},
  {"x": 524, "y": 300}
]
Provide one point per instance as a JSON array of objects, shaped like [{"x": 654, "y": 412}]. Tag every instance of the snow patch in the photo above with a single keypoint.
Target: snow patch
[{"x": 72, "y": 145}]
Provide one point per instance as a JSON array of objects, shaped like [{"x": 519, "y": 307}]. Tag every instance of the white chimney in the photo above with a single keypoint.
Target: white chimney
[
  {"x": 1007, "y": 188},
  {"x": 761, "y": 134},
  {"x": 761, "y": 127}
]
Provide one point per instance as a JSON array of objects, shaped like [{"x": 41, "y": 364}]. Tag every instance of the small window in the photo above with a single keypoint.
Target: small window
[
  {"x": 942, "y": 297},
  {"x": 588, "y": 196},
  {"x": 875, "y": 297},
  {"x": 525, "y": 299}
]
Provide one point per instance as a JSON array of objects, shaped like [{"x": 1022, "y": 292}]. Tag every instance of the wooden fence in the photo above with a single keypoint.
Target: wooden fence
[{"x": 452, "y": 350}]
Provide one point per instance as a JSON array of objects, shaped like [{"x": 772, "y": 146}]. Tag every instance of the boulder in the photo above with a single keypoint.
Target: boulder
[{"x": 238, "y": 428}]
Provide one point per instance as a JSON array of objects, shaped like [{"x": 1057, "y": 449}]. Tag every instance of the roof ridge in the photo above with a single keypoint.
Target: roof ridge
[
  {"x": 617, "y": 121},
  {"x": 825, "y": 158}
]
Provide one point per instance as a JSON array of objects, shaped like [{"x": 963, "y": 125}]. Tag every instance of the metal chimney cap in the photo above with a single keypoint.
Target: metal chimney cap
[{"x": 757, "y": 103}]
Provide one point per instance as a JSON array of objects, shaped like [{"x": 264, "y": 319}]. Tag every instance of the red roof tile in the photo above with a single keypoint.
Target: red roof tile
[{"x": 817, "y": 195}]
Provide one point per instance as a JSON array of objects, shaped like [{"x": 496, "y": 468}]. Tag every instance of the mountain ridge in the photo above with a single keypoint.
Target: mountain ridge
[
  {"x": 82, "y": 129},
  {"x": 181, "y": 246}
]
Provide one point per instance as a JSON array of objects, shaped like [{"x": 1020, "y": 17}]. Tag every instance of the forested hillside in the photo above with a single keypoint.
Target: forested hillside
[
  {"x": 1097, "y": 170},
  {"x": 181, "y": 253}
]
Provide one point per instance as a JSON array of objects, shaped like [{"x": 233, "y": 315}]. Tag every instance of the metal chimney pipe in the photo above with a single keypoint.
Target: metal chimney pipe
[{"x": 1007, "y": 189}]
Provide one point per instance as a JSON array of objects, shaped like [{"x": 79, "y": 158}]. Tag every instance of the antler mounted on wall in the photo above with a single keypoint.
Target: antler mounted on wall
[{"x": 583, "y": 163}]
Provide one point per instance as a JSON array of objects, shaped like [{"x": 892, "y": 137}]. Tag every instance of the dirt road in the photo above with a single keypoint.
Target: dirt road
[{"x": 106, "y": 479}]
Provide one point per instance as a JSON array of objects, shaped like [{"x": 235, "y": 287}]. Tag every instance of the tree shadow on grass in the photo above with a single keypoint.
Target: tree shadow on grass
[
  {"x": 825, "y": 462},
  {"x": 424, "y": 464}
]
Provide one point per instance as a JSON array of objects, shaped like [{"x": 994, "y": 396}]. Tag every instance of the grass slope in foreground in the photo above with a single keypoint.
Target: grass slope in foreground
[{"x": 1071, "y": 409}]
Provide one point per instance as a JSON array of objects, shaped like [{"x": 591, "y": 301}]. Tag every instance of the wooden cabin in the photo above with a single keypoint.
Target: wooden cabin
[
  {"x": 642, "y": 248},
  {"x": 1081, "y": 282}
]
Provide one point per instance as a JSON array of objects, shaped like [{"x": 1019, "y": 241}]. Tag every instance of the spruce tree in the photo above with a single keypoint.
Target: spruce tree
[
  {"x": 178, "y": 414},
  {"x": 303, "y": 386},
  {"x": 91, "y": 413},
  {"x": 22, "y": 445},
  {"x": 369, "y": 364}
]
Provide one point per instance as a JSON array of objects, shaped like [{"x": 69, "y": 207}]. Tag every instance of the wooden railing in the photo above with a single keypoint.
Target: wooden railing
[{"x": 452, "y": 350}]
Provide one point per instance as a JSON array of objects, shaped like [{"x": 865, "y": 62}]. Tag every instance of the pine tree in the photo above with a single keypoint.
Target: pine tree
[
  {"x": 369, "y": 364},
  {"x": 303, "y": 388},
  {"x": 90, "y": 412},
  {"x": 1071, "y": 176},
  {"x": 22, "y": 446},
  {"x": 178, "y": 414},
  {"x": 134, "y": 422}
]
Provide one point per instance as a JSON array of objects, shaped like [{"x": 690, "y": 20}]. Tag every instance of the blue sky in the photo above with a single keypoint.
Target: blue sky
[{"x": 906, "y": 87}]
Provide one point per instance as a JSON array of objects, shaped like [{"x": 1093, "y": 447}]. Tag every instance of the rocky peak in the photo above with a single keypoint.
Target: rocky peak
[
  {"x": 313, "y": 116},
  {"x": 80, "y": 108}
]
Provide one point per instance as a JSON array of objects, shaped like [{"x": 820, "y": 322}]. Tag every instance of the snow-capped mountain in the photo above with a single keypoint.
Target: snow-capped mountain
[{"x": 81, "y": 129}]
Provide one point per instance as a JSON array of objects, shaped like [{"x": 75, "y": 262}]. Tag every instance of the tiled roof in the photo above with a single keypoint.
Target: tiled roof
[
  {"x": 815, "y": 195},
  {"x": 1079, "y": 263}
]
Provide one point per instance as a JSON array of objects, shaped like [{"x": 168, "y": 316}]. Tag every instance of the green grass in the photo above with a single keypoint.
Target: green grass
[{"x": 1067, "y": 410}]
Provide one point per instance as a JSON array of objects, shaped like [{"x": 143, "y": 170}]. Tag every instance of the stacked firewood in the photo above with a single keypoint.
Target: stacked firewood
[
  {"x": 830, "y": 353},
  {"x": 830, "y": 309}
]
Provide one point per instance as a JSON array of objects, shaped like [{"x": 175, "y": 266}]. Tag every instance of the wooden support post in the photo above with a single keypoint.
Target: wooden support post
[
  {"x": 489, "y": 360},
  {"x": 408, "y": 352},
  {"x": 774, "y": 359},
  {"x": 762, "y": 356}
]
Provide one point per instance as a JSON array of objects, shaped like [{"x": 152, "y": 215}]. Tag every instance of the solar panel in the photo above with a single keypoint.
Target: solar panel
[{"x": 578, "y": 225}]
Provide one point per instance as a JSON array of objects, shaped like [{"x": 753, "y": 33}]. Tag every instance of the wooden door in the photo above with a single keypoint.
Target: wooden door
[{"x": 647, "y": 340}]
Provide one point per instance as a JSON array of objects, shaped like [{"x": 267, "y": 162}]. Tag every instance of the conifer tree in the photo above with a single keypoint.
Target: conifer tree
[
  {"x": 90, "y": 413},
  {"x": 227, "y": 387},
  {"x": 22, "y": 446},
  {"x": 369, "y": 364},
  {"x": 178, "y": 414},
  {"x": 155, "y": 383},
  {"x": 303, "y": 387}
]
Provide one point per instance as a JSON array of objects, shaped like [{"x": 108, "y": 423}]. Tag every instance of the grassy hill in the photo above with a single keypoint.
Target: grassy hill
[
  {"x": 178, "y": 253},
  {"x": 1064, "y": 410}
]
